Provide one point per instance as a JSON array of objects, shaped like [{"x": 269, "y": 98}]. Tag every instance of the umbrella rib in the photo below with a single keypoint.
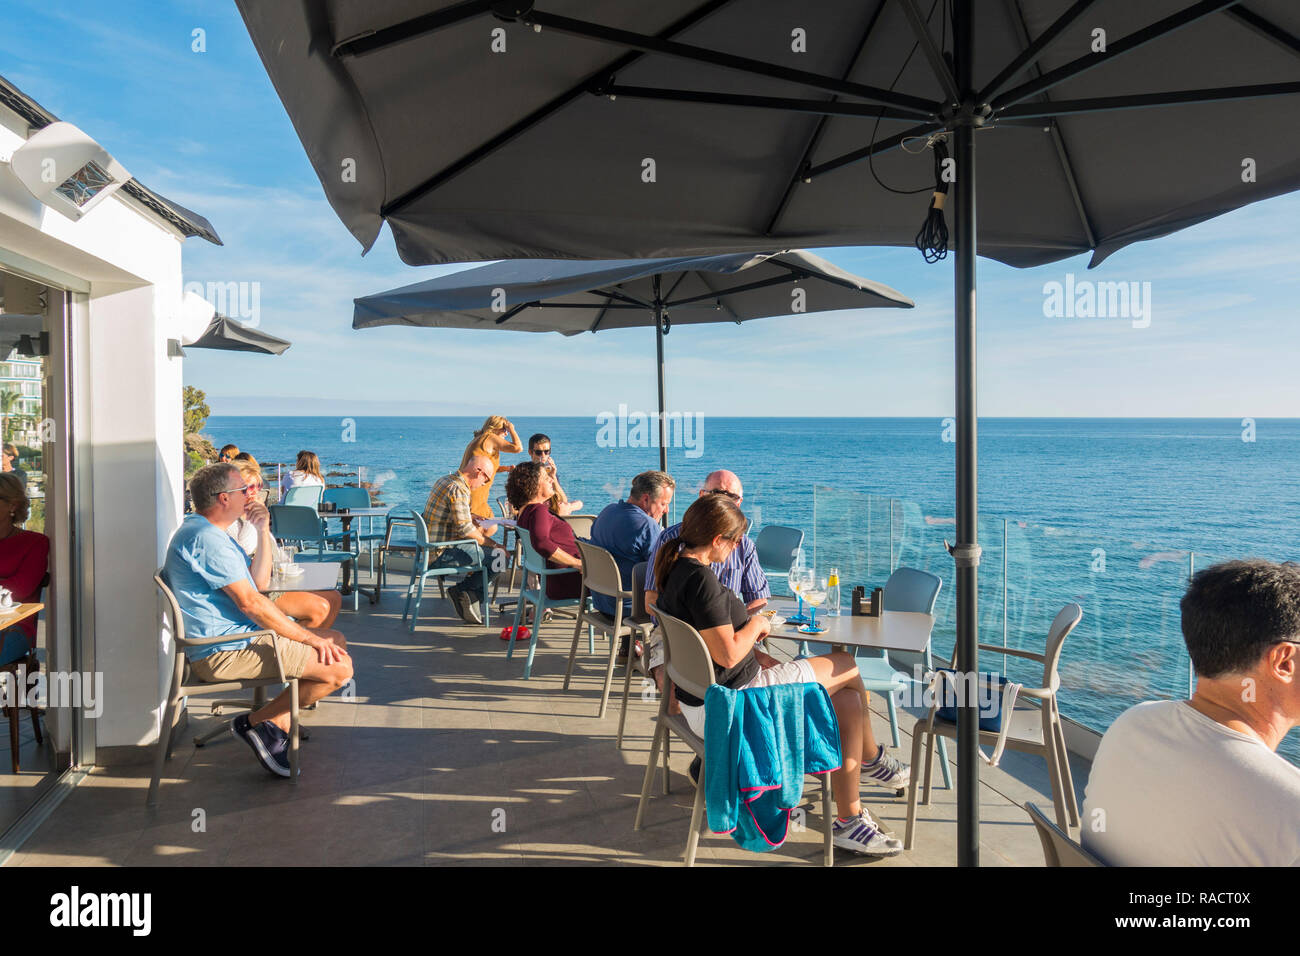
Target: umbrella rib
[
  {"x": 917, "y": 106},
  {"x": 1146, "y": 100},
  {"x": 542, "y": 112},
  {"x": 1266, "y": 28},
  {"x": 1031, "y": 53},
  {"x": 1058, "y": 140},
  {"x": 747, "y": 287},
  {"x": 1128, "y": 44},
  {"x": 875, "y": 149},
  {"x": 372, "y": 40},
  {"x": 600, "y": 317},
  {"x": 932, "y": 53},
  {"x": 810, "y": 146},
  {"x": 513, "y": 312},
  {"x": 791, "y": 104}
]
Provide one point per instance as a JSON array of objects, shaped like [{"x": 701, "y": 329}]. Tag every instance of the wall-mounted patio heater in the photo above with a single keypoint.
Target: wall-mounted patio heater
[{"x": 67, "y": 170}]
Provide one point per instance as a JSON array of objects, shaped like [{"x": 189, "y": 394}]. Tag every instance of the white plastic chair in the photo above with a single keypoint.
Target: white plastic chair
[
  {"x": 688, "y": 665},
  {"x": 1028, "y": 728}
]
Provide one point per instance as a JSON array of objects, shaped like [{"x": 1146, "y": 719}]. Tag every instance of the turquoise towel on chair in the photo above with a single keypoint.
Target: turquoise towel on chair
[{"x": 758, "y": 744}]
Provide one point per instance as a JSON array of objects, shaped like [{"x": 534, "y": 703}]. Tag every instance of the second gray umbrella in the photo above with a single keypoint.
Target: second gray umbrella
[{"x": 572, "y": 297}]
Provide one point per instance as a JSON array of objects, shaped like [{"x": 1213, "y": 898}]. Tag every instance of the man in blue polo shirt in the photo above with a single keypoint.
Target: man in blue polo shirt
[
  {"x": 629, "y": 530},
  {"x": 208, "y": 573}
]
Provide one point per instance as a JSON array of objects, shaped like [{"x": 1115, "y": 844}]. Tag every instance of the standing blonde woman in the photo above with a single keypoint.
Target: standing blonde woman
[{"x": 496, "y": 436}]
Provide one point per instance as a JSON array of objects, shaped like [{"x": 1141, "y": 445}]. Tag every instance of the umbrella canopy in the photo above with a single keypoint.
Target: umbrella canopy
[
  {"x": 231, "y": 336},
  {"x": 570, "y": 297},
  {"x": 479, "y": 138},
  {"x": 556, "y": 129}
]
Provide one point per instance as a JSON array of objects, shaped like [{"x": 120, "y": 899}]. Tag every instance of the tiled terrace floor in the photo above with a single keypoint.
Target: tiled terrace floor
[{"x": 446, "y": 756}]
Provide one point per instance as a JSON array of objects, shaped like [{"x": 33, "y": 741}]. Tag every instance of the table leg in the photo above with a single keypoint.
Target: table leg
[{"x": 347, "y": 525}]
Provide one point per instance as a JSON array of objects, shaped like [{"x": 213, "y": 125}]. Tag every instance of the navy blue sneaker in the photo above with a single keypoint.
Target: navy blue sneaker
[{"x": 270, "y": 744}]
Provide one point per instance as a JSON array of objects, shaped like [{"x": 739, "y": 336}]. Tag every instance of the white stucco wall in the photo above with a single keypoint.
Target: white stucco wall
[{"x": 131, "y": 263}]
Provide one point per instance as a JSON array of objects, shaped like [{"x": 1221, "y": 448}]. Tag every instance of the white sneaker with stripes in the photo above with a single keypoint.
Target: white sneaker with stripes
[
  {"x": 887, "y": 771},
  {"x": 861, "y": 834}
]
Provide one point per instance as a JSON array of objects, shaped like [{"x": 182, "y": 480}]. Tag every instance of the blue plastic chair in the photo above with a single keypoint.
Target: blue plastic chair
[
  {"x": 353, "y": 497},
  {"x": 301, "y": 525},
  {"x": 421, "y": 572},
  {"x": 776, "y": 546},
  {"x": 534, "y": 563},
  {"x": 906, "y": 590},
  {"x": 307, "y": 495}
]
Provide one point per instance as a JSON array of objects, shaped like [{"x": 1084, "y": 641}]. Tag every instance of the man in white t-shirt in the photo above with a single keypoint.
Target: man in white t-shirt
[{"x": 1199, "y": 782}]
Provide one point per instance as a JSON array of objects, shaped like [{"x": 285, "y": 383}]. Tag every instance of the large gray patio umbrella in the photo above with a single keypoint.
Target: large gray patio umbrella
[
  {"x": 563, "y": 129},
  {"x": 572, "y": 297},
  {"x": 226, "y": 334}
]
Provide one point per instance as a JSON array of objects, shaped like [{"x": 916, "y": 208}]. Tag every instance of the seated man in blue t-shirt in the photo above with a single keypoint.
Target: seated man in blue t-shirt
[
  {"x": 208, "y": 572},
  {"x": 629, "y": 529}
]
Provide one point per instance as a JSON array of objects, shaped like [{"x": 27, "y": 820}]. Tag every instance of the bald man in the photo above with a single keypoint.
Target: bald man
[
  {"x": 741, "y": 572},
  {"x": 448, "y": 518}
]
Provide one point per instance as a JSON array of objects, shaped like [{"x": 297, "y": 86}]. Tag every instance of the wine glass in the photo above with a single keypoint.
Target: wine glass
[
  {"x": 796, "y": 580},
  {"x": 814, "y": 592}
]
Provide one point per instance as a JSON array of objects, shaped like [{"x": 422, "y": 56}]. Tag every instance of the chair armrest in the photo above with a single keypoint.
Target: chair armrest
[
  {"x": 1040, "y": 693},
  {"x": 1028, "y": 655},
  {"x": 223, "y": 639},
  {"x": 450, "y": 544}
]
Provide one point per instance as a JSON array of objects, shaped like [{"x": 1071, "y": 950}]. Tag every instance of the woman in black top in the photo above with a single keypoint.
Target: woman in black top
[{"x": 691, "y": 592}]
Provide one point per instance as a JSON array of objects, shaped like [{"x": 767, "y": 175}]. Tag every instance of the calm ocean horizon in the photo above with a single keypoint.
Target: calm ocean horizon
[{"x": 1109, "y": 513}]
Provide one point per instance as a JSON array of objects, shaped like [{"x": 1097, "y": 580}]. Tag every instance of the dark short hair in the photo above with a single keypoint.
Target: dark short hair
[
  {"x": 523, "y": 484},
  {"x": 651, "y": 483},
  {"x": 209, "y": 482},
  {"x": 537, "y": 439},
  {"x": 1235, "y": 611}
]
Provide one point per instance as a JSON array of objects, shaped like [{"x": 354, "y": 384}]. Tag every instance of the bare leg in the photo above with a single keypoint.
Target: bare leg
[
  {"x": 838, "y": 673},
  {"x": 318, "y": 680},
  {"x": 312, "y": 609}
]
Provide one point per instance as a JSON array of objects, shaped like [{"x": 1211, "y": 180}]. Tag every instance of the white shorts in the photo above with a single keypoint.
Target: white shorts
[{"x": 791, "y": 672}]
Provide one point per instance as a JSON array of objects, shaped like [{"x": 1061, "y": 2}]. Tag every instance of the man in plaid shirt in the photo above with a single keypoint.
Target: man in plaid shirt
[{"x": 447, "y": 516}]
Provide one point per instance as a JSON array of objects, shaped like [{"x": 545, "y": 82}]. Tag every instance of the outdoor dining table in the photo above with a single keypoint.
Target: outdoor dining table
[
  {"x": 316, "y": 576},
  {"x": 891, "y": 630},
  {"x": 19, "y": 612},
  {"x": 346, "y": 516}
]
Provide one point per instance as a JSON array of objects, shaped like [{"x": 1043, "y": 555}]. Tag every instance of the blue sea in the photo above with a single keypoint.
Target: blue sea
[{"x": 1109, "y": 513}]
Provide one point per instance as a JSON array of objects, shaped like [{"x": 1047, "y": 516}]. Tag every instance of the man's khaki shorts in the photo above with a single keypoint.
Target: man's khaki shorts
[{"x": 255, "y": 660}]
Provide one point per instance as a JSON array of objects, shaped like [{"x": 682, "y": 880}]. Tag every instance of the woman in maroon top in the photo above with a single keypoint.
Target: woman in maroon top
[
  {"x": 24, "y": 559},
  {"x": 529, "y": 488}
]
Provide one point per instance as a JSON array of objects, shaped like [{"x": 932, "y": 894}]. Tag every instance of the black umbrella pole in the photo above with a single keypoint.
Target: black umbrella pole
[
  {"x": 966, "y": 553},
  {"x": 659, "y": 354}
]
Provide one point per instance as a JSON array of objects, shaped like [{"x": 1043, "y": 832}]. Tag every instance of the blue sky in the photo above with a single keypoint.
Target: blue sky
[{"x": 207, "y": 130}]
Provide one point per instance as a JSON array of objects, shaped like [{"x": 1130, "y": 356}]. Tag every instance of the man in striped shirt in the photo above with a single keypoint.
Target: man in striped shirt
[
  {"x": 741, "y": 572},
  {"x": 448, "y": 518}
]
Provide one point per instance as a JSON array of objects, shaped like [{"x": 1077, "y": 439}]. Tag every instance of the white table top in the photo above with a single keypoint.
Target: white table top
[
  {"x": 317, "y": 576},
  {"x": 893, "y": 630},
  {"x": 356, "y": 513}
]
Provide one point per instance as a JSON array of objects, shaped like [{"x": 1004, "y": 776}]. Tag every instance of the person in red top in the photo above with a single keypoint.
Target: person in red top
[
  {"x": 24, "y": 559},
  {"x": 529, "y": 489}
]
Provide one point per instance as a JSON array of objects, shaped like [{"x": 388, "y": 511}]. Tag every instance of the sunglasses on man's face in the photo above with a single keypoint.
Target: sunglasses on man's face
[
  {"x": 243, "y": 488},
  {"x": 542, "y": 451},
  {"x": 723, "y": 491}
]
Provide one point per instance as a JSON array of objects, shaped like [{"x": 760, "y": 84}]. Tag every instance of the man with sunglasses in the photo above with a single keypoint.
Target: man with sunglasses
[
  {"x": 448, "y": 518},
  {"x": 208, "y": 572},
  {"x": 1199, "y": 782},
  {"x": 539, "y": 449}
]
